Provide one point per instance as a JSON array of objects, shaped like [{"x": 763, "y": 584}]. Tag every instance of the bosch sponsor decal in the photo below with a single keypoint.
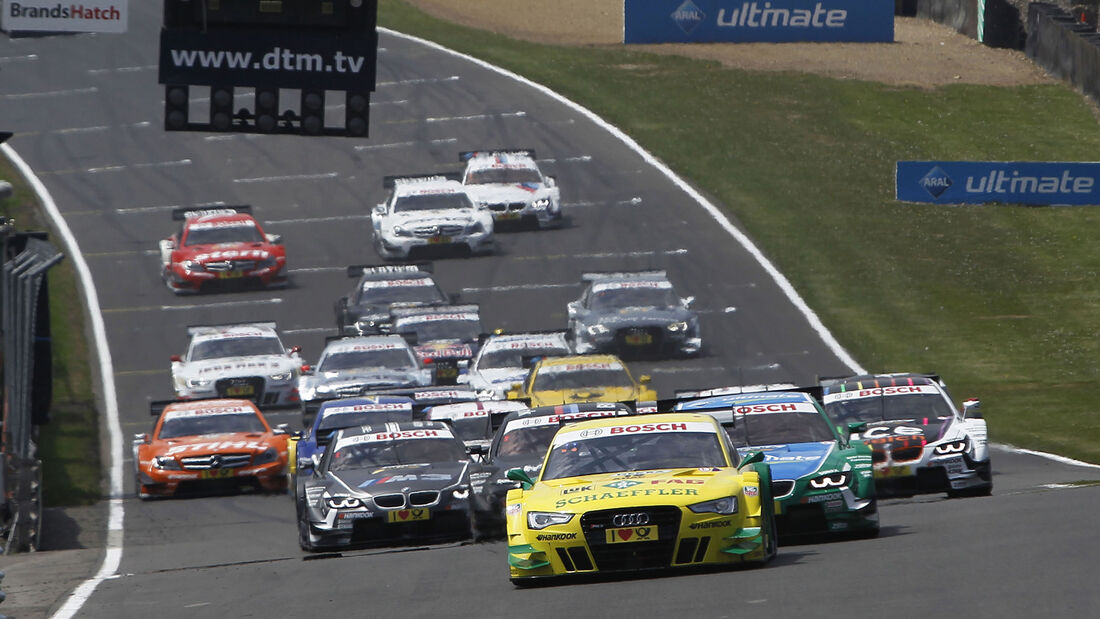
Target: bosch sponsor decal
[
  {"x": 764, "y": 409},
  {"x": 655, "y": 284},
  {"x": 623, "y": 494},
  {"x": 383, "y": 437},
  {"x": 640, "y": 428},
  {"x": 556, "y": 537},
  {"x": 108, "y": 16},
  {"x": 774, "y": 21},
  {"x": 843, "y": 396},
  {"x": 437, "y": 318},
  {"x": 178, "y": 413},
  {"x": 580, "y": 367},
  {"x": 713, "y": 524},
  {"x": 242, "y": 365},
  {"x": 365, "y": 408},
  {"x": 548, "y": 420},
  {"x": 216, "y": 225},
  {"x": 1011, "y": 182},
  {"x": 442, "y": 395},
  {"x": 346, "y": 347},
  {"x": 397, "y": 283}
]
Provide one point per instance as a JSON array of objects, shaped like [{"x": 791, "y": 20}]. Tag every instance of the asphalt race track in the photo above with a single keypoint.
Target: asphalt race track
[{"x": 87, "y": 113}]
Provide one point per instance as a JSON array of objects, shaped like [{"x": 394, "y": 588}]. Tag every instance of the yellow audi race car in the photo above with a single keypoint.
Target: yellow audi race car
[
  {"x": 581, "y": 378},
  {"x": 639, "y": 493}
]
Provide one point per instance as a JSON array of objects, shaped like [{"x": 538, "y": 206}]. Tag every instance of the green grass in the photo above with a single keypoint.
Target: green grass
[
  {"x": 69, "y": 444},
  {"x": 1002, "y": 300}
]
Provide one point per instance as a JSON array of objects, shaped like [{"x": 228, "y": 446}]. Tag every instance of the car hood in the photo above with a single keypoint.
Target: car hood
[
  {"x": 239, "y": 366},
  {"x": 634, "y": 489},
  {"x": 403, "y": 478},
  {"x": 232, "y": 442},
  {"x": 880, "y": 433},
  {"x": 433, "y": 218},
  {"x": 444, "y": 349},
  {"x": 642, "y": 316},
  {"x": 590, "y": 394},
  {"x": 507, "y": 192},
  {"x": 220, "y": 252},
  {"x": 500, "y": 376},
  {"x": 794, "y": 460}
]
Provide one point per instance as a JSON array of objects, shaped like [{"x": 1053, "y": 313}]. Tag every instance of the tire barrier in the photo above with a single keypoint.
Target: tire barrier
[
  {"x": 1067, "y": 48},
  {"x": 996, "y": 23}
]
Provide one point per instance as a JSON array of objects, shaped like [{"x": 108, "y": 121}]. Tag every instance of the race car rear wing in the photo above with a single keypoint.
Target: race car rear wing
[
  {"x": 482, "y": 338},
  {"x": 156, "y": 407},
  {"x": 198, "y": 329},
  {"x": 404, "y": 312},
  {"x": 359, "y": 270},
  {"x": 592, "y": 277},
  {"x": 191, "y": 212},
  {"x": 668, "y": 405},
  {"x": 389, "y": 182},
  {"x": 467, "y": 155}
]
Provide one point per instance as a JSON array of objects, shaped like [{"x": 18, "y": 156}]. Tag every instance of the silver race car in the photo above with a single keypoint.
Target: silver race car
[
  {"x": 504, "y": 359},
  {"x": 245, "y": 360},
  {"x": 633, "y": 314},
  {"x": 510, "y": 184},
  {"x": 429, "y": 214}
]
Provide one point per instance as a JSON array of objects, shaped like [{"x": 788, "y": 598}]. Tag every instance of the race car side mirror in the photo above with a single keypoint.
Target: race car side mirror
[
  {"x": 521, "y": 476},
  {"x": 380, "y": 209},
  {"x": 687, "y": 301},
  {"x": 972, "y": 409},
  {"x": 551, "y": 181},
  {"x": 275, "y": 239},
  {"x": 753, "y": 458},
  {"x": 176, "y": 359},
  {"x": 294, "y": 350},
  {"x": 644, "y": 379},
  {"x": 306, "y": 369},
  {"x": 572, "y": 308},
  {"x": 141, "y": 439},
  {"x": 477, "y": 450},
  {"x": 856, "y": 427},
  {"x": 282, "y": 428}
]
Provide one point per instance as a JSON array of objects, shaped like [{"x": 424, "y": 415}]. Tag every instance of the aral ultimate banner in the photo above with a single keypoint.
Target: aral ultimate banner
[
  {"x": 746, "y": 21},
  {"x": 1009, "y": 182}
]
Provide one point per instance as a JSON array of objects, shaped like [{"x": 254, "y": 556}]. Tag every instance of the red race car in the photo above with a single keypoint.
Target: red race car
[
  {"x": 219, "y": 248},
  {"x": 209, "y": 444}
]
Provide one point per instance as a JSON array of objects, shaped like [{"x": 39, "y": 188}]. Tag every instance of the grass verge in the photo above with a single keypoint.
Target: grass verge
[
  {"x": 1001, "y": 300},
  {"x": 69, "y": 444}
]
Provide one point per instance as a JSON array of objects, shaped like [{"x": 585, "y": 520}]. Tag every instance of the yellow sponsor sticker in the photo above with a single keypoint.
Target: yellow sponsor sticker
[
  {"x": 639, "y": 339},
  {"x": 237, "y": 390},
  {"x": 215, "y": 473},
  {"x": 230, "y": 274},
  {"x": 439, "y": 239},
  {"x": 895, "y": 471},
  {"x": 408, "y": 515},
  {"x": 631, "y": 534}
]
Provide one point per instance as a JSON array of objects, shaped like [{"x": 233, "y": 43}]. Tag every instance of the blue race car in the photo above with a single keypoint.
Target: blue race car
[{"x": 821, "y": 481}]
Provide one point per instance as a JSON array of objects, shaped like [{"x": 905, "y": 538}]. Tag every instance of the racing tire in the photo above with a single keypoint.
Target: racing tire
[{"x": 305, "y": 540}]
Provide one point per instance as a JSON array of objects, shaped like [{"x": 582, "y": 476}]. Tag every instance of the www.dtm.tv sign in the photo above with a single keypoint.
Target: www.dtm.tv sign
[
  {"x": 751, "y": 21},
  {"x": 1011, "y": 182},
  {"x": 74, "y": 16}
]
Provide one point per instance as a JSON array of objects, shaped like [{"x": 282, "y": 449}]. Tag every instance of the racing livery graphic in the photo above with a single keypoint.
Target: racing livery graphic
[
  {"x": 510, "y": 184},
  {"x": 429, "y": 214}
]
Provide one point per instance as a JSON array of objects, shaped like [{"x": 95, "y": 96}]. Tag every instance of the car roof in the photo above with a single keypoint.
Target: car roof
[
  {"x": 249, "y": 329},
  {"x": 655, "y": 418},
  {"x": 503, "y": 339},
  {"x": 726, "y": 401},
  {"x": 418, "y": 185},
  {"x": 393, "y": 426}
]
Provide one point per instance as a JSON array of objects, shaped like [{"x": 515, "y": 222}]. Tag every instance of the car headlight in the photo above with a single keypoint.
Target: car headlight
[
  {"x": 678, "y": 327},
  {"x": 953, "y": 447},
  {"x": 540, "y": 204},
  {"x": 343, "y": 502},
  {"x": 725, "y": 506},
  {"x": 832, "y": 480},
  {"x": 268, "y": 263},
  {"x": 541, "y": 520},
  {"x": 197, "y": 382},
  {"x": 167, "y": 463},
  {"x": 475, "y": 228},
  {"x": 282, "y": 376},
  {"x": 192, "y": 265},
  {"x": 401, "y": 231},
  {"x": 596, "y": 330},
  {"x": 269, "y": 455}
]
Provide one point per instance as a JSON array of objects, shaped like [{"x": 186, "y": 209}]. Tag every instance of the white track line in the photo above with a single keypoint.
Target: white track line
[{"x": 115, "y": 511}]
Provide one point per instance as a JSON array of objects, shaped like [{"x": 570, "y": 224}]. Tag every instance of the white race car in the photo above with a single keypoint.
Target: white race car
[
  {"x": 510, "y": 184},
  {"x": 246, "y": 360},
  {"x": 429, "y": 214},
  {"x": 504, "y": 359},
  {"x": 920, "y": 442}
]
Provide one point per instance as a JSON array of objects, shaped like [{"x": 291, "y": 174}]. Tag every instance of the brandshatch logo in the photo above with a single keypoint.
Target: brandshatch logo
[
  {"x": 936, "y": 182},
  {"x": 687, "y": 16}
]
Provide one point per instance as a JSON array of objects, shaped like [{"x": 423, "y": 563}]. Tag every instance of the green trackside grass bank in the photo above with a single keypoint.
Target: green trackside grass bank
[
  {"x": 1003, "y": 301},
  {"x": 69, "y": 445}
]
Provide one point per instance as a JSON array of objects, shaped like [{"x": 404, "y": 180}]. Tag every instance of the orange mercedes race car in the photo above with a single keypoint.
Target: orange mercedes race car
[{"x": 209, "y": 445}]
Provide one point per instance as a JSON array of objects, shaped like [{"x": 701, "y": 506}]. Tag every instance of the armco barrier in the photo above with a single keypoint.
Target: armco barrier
[{"x": 1067, "y": 48}]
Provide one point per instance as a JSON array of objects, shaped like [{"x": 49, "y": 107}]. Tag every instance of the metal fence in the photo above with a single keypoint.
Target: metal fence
[{"x": 25, "y": 365}]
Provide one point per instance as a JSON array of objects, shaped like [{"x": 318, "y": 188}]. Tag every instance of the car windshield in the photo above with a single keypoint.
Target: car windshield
[
  {"x": 779, "y": 429},
  {"x": 513, "y": 357},
  {"x": 582, "y": 377},
  {"x": 432, "y": 202},
  {"x": 198, "y": 425},
  {"x": 891, "y": 407},
  {"x": 634, "y": 452},
  {"x": 531, "y": 441},
  {"x": 423, "y": 291},
  {"x": 386, "y": 358},
  {"x": 235, "y": 347},
  {"x": 330, "y": 423},
  {"x": 486, "y": 176},
  {"x": 431, "y": 330},
  {"x": 225, "y": 233},
  {"x": 391, "y": 453},
  {"x": 618, "y": 298}
]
